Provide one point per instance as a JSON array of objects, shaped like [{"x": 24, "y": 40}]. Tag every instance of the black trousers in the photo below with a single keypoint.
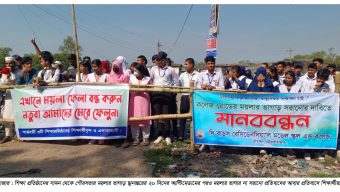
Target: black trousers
[
  {"x": 185, "y": 107},
  {"x": 161, "y": 105},
  {"x": 173, "y": 110}
]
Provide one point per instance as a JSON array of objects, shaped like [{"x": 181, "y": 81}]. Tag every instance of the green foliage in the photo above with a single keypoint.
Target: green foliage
[
  {"x": 4, "y": 52},
  {"x": 162, "y": 157},
  {"x": 63, "y": 57},
  {"x": 68, "y": 46},
  {"x": 328, "y": 57},
  {"x": 200, "y": 65}
]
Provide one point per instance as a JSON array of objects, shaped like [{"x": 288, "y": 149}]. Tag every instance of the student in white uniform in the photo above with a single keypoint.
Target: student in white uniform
[
  {"x": 190, "y": 75},
  {"x": 289, "y": 84},
  {"x": 308, "y": 80},
  {"x": 210, "y": 79}
]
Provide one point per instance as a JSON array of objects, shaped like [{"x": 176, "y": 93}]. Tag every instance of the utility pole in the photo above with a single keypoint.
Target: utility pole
[
  {"x": 290, "y": 50},
  {"x": 159, "y": 45},
  {"x": 76, "y": 42}
]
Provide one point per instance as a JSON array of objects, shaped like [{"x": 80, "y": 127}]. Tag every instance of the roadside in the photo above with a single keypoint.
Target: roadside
[
  {"x": 72, "y": 159},
  {"x": 78, "y": 159},
  {"x": 239, "y": 162}
]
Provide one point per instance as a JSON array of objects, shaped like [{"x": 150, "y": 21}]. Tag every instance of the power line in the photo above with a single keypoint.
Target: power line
[
  {"x": 87, "y": 31},
  {"x": 180, "y": 32},
  {"x": 63, "y": 34},
  {"x": 29, "y": 25},
  {"x": 49, "y": 24}
]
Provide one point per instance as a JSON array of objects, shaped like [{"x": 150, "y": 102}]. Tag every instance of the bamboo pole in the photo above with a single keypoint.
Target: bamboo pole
[
  {"x": 159, "y": 86},
  {"x": 154, "y": 117},
  {"x": 76, "y": 42},
  {"x": 337, "y": 90},
  {"x": 192, "y": 144},
  {"x": 337, "y": 81},
  {"x": 161, "y": 117},
  {"x": 168, "y": 89},
  {"x": 6, "y": 120}
]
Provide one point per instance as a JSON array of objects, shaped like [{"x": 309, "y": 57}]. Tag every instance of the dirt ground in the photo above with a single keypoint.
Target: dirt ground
[{"x": 72, "y": 159}]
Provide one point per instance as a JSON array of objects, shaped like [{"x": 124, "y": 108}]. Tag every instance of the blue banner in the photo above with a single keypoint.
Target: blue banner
[{"x": 307, "y": 121}]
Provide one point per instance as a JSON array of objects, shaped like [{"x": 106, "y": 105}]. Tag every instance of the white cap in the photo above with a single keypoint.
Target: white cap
[
  {"x": 58, "y": 63},
  {"x": 8, "y": 59}
]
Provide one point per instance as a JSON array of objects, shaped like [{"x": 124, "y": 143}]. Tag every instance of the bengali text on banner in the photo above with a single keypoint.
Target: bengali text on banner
[
  {"x": 77, "y": 111},
  {"x": 307, "y": 121}
]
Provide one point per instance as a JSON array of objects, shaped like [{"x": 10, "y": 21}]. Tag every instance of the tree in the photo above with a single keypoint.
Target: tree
[
  {"x": 63, "y": 57},
  {"x": 4, "y": 52},
  {"x": 69, "y": 47}
]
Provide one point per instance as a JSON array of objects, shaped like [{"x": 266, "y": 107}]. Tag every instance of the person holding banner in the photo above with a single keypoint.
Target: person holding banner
[
  {"x": 261, "y": 82},
  {"x": 289, "y": 84},
  {"x": 210, "y": 79},
  {"x": 139, "y": 105},
  {"x": 98, "y": 76}
]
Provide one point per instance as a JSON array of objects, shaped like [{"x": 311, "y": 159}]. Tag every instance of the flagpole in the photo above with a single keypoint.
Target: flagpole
[{"x": 76, "y": 42}]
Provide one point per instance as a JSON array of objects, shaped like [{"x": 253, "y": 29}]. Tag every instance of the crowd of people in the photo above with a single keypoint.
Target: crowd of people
[{"x": 280, "y": 77}]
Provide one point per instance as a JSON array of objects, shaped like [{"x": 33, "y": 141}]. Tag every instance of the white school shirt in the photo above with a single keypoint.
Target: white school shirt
[
  {"x": 48, "y": 75},
  {"x": 185, "y": 78},
  {"x": 86, "y": 79},
  {"x": 234, "y": 85},
  {"x": 295, "y": 88},
  {"x": 331, "y": 83},
  {"x": 165, "y": 76},
  {"x": 307, "y": 84},
  {"x": 92, "y": 78},
  {"x": 282, "y": 78},
  {"x": 215, "y": 80}
]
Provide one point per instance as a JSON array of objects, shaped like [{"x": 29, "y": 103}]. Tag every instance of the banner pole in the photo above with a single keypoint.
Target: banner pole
[{"x": 192, "y": 144}]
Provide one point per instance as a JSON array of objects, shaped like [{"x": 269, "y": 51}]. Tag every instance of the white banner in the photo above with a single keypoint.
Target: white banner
[{"x": 78, "y": 111}]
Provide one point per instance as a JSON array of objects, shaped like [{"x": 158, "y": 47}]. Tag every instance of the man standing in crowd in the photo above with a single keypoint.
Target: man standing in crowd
[
  {"x": 330, "y": 81},
  {"x": 163, "y": 75},
  {"x": 308, "y": 80},
  {"x": 47, "y": 74},
  {"x": 281, "y": 71},
  {"x": 143, "y": 61},
  {"x": 298, "y": 67},
  {"x": 210, "y": 79},
  {"x": 265, "y": 65},
  {"x": 189, "y": 76},
  {"x": 27, "y": 73},
  {"x": 331, "y": 68},
  {"x": 10, "y": 77},
  {"x": 18, "y": 61},
  {"x": 8, "y": 108},
  {"x": 289, "y": 67},
  {"x": 70, "y": 76}
]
